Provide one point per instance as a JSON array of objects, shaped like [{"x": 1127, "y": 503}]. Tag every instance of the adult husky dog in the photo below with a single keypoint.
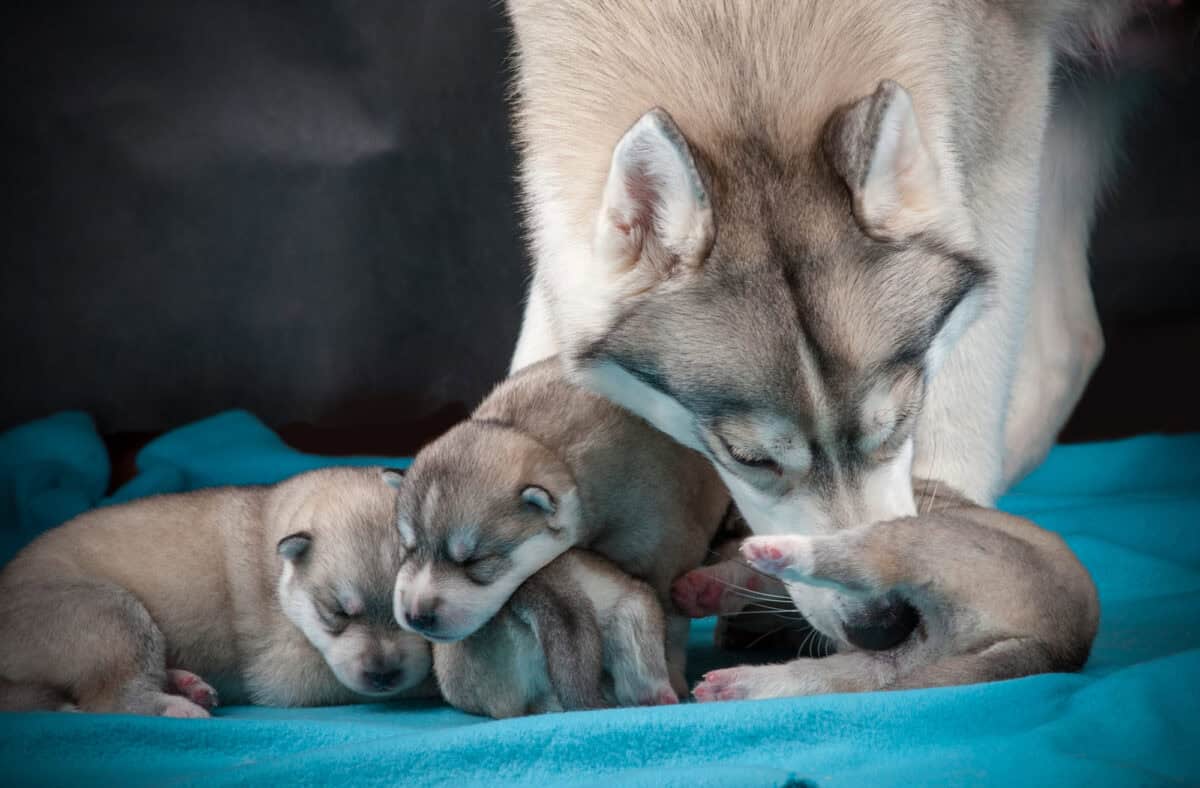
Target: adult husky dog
[{"x": 800, "y": 238}]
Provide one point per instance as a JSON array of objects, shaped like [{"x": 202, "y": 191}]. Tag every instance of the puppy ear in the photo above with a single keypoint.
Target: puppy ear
[
  {"x": 655, "y": 213},
  {"x": 394, "y": 477},
  {"x": 562, "y": 510},
  {"x": 539, "y": 498},
  {"x": 876, "y": 145},
  {"x": 294, "y": 546}
]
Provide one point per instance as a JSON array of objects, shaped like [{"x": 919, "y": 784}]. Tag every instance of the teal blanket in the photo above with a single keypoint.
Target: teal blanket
[{"x": 1130, "y": 509}]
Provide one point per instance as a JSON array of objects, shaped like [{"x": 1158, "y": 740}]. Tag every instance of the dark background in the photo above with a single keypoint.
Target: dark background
[{"x": 307, "y": 210}]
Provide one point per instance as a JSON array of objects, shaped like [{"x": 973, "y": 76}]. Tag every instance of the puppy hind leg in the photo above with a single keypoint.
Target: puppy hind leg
[
  {"x": 570, "y": 639},
  {"x": 1007, "y": 659},
  {"x": 19, "y": 696},
  {"x": 636, "y": 654},
  {"x": 95, "y": 642}
]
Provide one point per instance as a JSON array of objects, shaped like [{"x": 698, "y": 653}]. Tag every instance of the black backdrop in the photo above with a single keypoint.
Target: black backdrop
[{"x": 307, "y": 210}]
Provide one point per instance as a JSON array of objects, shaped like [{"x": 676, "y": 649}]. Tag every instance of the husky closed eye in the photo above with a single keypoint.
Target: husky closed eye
[{"x": 750, "y": 458}]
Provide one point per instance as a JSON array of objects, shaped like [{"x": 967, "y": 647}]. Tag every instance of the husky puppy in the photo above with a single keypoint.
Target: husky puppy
[
  {"x": 799, "y": 238},
  {"x": 276, "y": 595},
  {"x": 978, "y": 595},
  {"x": 540, "y": 467},
  {"x": 579, "y": 634}
]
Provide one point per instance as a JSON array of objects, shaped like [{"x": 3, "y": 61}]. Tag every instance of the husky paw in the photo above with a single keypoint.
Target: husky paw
[
  {"x": 753, "y": 682},
  {"x": 787, "y": 557},
  {"x": 182, "y": 708},
  {"x": 192, "y": 687}
]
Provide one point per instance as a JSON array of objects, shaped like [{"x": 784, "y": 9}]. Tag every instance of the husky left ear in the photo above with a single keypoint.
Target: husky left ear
[
  {"x": 294, "y": 546},
  {"x": 655, "y": 211},
  {"x": 875, "y": 144}
]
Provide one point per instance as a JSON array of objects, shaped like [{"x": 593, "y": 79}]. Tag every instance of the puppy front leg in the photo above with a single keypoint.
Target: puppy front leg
[
  {"x": 724, "y": 589},
  {"x": 857, "y": 671},
  {"x": 826, "y": 561}
]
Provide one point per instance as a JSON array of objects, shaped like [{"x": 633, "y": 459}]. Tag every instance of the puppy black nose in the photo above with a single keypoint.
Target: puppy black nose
[
  {"x": 885, "y": 623},
  {"x": 383, "y": 680},
  {"x": 425, "y": 621}
]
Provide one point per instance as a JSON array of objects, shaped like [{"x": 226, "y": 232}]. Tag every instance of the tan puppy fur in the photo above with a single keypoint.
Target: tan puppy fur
[
  {"x": 276, "y": 595},
  {"x": 992, "y": 596},
  {"x": 579, "y": 634},
  {"x": 543, "y": 466}
]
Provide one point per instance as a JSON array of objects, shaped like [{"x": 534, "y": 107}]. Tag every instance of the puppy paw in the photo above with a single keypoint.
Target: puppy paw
[
  {"x": 788, "y": 557},
  {"x": 697, "y": 594},
  {"x": 662, "y": 696},
  {"x": 750, "y": 682},
  {"x": 181, "y": 708},
  {"x": 192, "y": 687},
  {"x": 727, "y": 684}
]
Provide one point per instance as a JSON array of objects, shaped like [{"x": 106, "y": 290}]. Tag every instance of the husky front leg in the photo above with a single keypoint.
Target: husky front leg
[
  {"x": 536, "y": 340},
  {"x": 1063, "y": 342}
]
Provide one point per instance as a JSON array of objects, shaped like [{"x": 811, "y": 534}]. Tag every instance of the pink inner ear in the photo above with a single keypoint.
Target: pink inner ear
[{"x": 642, "y": 188}]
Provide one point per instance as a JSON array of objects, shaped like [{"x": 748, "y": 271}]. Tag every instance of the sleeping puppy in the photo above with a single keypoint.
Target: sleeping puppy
[
  {"x": 274, "y": 595},
  {"x": 540, "y": 467},
  {"x": 579, "y": 634},
  {"x": 980, "y": 596}
]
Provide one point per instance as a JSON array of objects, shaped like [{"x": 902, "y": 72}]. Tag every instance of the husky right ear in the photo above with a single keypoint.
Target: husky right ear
[
  {"x": 655, "y": 210},
  {"x": 875, "y": 144}
]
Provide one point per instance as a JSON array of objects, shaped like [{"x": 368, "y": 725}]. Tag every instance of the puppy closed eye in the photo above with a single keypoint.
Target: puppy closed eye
[
  {"x": 334, "y": 617},
  {"x": 484, "y": 569}
]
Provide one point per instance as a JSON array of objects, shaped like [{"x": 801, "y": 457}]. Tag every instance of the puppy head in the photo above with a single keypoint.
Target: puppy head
[
  {"x": 337, "y": 560},
  {"x": 480, "y": 511}
]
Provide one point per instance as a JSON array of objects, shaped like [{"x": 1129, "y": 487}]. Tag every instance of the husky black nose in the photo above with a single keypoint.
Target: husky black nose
[
  {"x": 885, "y": 623},
  {"x": 385, "y": 680}
]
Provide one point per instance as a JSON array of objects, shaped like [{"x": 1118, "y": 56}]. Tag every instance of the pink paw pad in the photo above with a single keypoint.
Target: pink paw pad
[
  {"x": 767, "y": 557},
  {"x": 665, "y": 697},
  {"x": 719, "y": 685},
  {"x": 182, "y": 708},
  {"x": 192, "y": 687},
  {"x": 697, "y": 594}
]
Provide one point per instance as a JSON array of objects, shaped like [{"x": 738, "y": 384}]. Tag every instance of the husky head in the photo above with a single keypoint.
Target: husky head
[
  {"x": 783, "y": 316},
  {"x": 481, "y": 509},
  {"x": 338, "y": 560}
]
